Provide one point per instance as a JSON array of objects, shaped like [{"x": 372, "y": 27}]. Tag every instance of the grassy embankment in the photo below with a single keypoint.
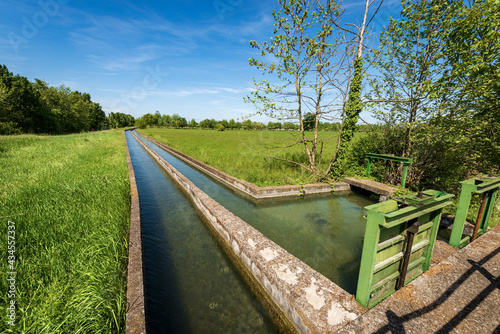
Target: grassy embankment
[
  {"x": 229, "y": 151},
  {"x": 68, "y": 198}
]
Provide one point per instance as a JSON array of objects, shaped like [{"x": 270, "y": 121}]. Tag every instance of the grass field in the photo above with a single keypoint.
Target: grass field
[
  {"x": 242, "y": 153},
  {"x": 67, "y": 200},
  {"x": 229, "y": 151}
]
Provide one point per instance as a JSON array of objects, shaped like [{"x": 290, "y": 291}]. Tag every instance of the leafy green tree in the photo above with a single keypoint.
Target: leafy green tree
[
  {"x": 181, "y": 123},
  {"x": 439, "y": 68},
  {"x": 309, "y": 122},
  {"x": 37, "y": 107},
  {"x": 247, "y": 125},
  {"x": 208, "y": 124},
  {"x": 166, "y": 120},
  {"x": 20, "y": 103},
  {"x": 192, "y": 123},
  {"x": 319, "y": 65}
]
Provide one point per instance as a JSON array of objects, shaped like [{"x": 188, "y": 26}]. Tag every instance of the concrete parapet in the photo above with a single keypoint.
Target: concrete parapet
[
  {"x": 136, "y": 316},
  {"x": 372, "y": 186},
  {"x": 251, "y": 190},
  {"x": 306, "y": 300}
]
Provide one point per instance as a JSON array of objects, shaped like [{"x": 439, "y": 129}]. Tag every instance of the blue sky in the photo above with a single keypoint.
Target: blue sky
[{"x": 176, "y": 56}]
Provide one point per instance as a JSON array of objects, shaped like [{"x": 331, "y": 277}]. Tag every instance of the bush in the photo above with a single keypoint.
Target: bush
[{"x": 9, "y": 128}]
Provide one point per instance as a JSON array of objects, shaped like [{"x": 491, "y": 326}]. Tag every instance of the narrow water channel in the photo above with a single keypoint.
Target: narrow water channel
[
  {"x": 324, "y": 232},
  {"x": 191, "y": 286}
]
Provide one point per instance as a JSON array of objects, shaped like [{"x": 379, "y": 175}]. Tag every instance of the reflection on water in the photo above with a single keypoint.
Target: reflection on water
[
  {"x": 326, "y": 232},
  {"x": 190, "y": 285}
]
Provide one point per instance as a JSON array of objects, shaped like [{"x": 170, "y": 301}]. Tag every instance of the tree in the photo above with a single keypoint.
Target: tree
[
  {"x": 439, "y": 67},
  {"x": 166, "y": 120},
  {"x": 39, "y": 108},
  {"x": 314, "y": 57},
  {"x": 20, "y": 103},
  {"x": 121, "y": 120},
  {"x": 192, "y": 123},
  {"x": 207, "y": 123},
  {"x": 309, "y": 122}
]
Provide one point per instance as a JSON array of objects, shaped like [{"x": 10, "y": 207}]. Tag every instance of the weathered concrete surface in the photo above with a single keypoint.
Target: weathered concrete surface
[
  {"x": 442, "y": 250},
  {"x": 136, "y": 317},
  {"x": 307, "y": 299},
  {"x": 372, "y": 186},
  {"x": 459, "y": 295},
  {"x": 247, "y": 188}
]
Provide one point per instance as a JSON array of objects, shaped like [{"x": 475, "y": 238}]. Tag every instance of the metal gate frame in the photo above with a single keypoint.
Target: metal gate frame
[{"x": 398, "y": 244}]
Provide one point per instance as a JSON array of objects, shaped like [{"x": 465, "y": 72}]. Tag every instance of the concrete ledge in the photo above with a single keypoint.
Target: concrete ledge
[
  {"x": 372, "y": 186},
  {"x": 251, "y": 190},
  {"x": 309, "y": 301},
  {"x": 136, "y": 317}
]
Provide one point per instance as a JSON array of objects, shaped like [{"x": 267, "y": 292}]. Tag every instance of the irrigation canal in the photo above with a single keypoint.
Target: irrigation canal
[{"x": 190, "y": 284}]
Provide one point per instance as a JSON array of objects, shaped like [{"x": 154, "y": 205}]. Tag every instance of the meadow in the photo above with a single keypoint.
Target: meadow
[
  {"x": 246, "y": 154},
  {"x": 67, "y": 200},
  {"x": 235, "y": 152}
]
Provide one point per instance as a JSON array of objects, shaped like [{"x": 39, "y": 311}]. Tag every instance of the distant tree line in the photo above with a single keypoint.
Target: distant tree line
[
  {"x": 119, "y": 120},
  {"x": 178, "y": 122},
  {"x": 36, "y": 107}
]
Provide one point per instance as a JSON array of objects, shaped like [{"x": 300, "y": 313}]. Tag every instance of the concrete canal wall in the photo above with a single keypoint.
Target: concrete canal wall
[
  {"x": 249, "y": 189},
  {"x": 306, "y": 300},
  {"x": 136, "y": 316}
]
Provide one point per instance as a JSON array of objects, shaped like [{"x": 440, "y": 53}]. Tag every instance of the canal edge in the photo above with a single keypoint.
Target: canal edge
[{"x": 135, "y": 313}]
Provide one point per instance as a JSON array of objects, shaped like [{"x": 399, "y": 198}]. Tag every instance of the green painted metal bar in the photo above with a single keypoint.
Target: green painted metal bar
[
  {"x": 368, "y": 166},
  {"x": 389, "y": 157},
  {"x": 406, "y": 163},
  {"x": 477, "y": 185},
  {"x": 387, "y": 241}
]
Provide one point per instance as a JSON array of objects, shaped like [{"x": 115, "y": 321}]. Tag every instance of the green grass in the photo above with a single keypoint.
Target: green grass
[
  {"x": 235, "y": 152},
  {"x": 229, "y": 152},
  {"x": 69, "y": 199}
]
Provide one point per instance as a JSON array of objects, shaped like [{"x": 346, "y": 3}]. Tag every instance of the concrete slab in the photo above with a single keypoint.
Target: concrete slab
[
  {"x": 459, "y": 295},
  {"x": 371, "y": 186}
]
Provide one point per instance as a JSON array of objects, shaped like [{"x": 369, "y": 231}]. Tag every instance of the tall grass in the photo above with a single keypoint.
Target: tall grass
[
  {"x": 69, "y": 199},
  {"x": 242, "y": 154}
]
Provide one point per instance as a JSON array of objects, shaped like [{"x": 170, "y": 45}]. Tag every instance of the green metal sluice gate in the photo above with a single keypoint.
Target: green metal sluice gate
[
  {"x": 487, "y": 186},
  {"x": 399, "y": 242}
]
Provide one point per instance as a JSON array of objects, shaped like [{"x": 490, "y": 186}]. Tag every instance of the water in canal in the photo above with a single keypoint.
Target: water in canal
[
  {"x": 190, "y": 284},
  {"x": 324, "y": 232}
]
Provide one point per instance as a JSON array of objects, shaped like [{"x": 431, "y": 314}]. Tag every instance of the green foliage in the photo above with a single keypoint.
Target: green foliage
[
  {"x": 69, "y": 199},
  {"x": 438, "y": 91},
  {"x": 38, "y": 108},
  {"x": 309, "y": 122},
  {"x": 351, "y": 117},
  {"x": 9, "y": 128},
  {"x": 120, "y": 120}
]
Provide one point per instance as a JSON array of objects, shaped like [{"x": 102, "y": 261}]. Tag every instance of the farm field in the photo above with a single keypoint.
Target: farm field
[
  {"x": 242, "y": 154},
  {"x": 67, "y": 198}
]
